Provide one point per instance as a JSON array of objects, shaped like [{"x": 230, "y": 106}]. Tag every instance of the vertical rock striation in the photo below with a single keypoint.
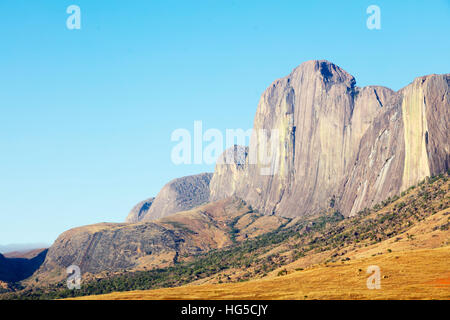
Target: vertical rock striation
[{"x": 336, "y": 144}]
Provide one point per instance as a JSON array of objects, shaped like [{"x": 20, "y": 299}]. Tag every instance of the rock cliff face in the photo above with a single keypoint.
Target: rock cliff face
[
  {"x": 178, "y": 195},
  {"x": 321, "y": 141}
]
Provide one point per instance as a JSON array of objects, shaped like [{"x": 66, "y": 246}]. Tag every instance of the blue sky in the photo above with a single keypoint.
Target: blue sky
[{"x": 87, "y": 115}]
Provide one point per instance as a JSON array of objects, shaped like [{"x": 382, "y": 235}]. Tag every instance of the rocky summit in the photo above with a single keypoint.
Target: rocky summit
[
  {"x": 178, "y": 195},
  {"x": 338, "y": 145}
]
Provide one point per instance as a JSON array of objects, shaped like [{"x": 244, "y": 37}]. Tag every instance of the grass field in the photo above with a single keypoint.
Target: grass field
[{"x": 416, "y": 274}]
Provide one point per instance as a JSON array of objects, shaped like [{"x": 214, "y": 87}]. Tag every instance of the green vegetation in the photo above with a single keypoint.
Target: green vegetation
[
  {"x": 282, "y": 272},
  {"x": 233, "y": 230}
]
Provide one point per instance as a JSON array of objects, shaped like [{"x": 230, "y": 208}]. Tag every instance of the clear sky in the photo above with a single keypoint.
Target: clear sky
[{"x": 87, "y": 115}]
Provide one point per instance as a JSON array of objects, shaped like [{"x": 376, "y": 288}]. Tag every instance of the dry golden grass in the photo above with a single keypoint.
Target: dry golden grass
[
  {"x": 426, "y": 235},
  {"x": 416, "y": 274}
]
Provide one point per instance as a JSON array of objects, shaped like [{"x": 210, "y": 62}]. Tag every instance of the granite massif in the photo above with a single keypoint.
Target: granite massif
[{"x": 338, "y": 145}]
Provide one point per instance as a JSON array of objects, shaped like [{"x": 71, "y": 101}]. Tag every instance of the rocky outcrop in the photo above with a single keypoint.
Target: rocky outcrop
[
  {"x": 320, "y": 141},
  {"x": 115, "y": 247},
  {"x": 178, "y": 195},
  {"x": 110, "y": 247},
  {"x": 139, "y": 211}
]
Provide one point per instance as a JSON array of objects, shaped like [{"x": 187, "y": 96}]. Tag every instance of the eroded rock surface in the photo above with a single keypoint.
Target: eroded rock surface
[{"x": 338, "y": 145}]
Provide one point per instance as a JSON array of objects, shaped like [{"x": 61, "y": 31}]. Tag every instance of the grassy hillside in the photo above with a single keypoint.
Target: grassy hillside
[
  {"x": 417, "y": 274},
  {"x": 413, "y": 227}
]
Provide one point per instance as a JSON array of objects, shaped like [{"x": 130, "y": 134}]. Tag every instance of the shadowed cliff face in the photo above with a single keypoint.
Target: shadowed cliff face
[
  {"x": 111, "y": 247},
  {"x": 17, "y": 269},
  {"x": 337, "y": 144}
]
